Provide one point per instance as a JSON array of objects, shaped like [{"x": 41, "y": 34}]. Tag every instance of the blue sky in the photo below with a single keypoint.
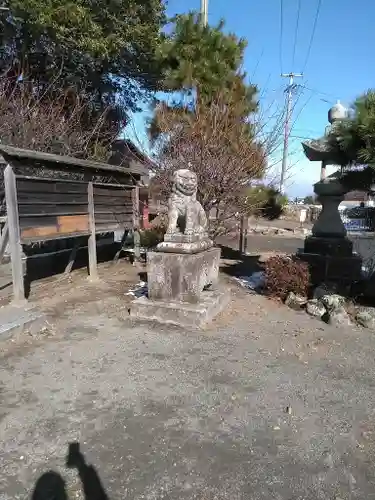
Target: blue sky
[{"x": 340, "y": 65}]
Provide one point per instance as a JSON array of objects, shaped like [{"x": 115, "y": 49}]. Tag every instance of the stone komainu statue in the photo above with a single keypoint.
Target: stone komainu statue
[{"x": 185, "y": 213}]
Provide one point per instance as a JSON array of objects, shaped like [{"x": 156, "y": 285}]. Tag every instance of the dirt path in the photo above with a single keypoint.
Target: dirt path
[{"x": 167, "y": 414}]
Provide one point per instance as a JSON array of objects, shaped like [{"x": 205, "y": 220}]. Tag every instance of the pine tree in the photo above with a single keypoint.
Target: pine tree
[
  {"x": 106, "y": 49},
  {"x": 201, "y": 62},
  {"x": 356, "y": 134},
  {"x": 204, "y": 58},
  {"x": 354, "y": 137}
]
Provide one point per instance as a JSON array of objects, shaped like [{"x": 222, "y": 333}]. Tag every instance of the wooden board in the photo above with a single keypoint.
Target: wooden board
[
  {"x": 115, "y": 206},
  {"x": 115, "y": 218},
  {"x": 42, "y": 198},
  {"x": 30, "y": 210},
  {"x": 64, "y": 225},
  {"x": 73, "y": 223},
  {"x": 28, "y": 185},
  {"x": 112, "y": 191},
  {"x": 50, "y": 208}
]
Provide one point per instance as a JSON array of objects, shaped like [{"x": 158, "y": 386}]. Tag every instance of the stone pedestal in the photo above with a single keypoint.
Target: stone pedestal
[
  {"x": 182, "y": 289},
  {"x": 328, "y": 251},
  {"x": 183, "y": 273},
  {"x": 181, "y": 277}
]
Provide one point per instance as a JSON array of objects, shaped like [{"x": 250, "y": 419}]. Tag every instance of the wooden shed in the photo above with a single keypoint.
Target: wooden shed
[{"x": 50, "y": 197}]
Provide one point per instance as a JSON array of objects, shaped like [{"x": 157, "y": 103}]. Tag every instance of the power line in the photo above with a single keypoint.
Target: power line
[
  {"x": 307, "y": 130},
  {"x": 257, "y": 64},
  {"x": 300, "y": 111},
  {"x": 296, "y": 32},
  {"x": 312, "y": 34},
  {"x": 315, "y": 91},
  {"x": 301, "y": 137},
  {"x": 281, "y": 35}
]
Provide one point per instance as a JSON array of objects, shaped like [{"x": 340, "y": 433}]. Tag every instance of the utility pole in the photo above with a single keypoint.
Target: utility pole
[
  {"x": 204, "y": 12},
  {"x": 289, "y": 96}
]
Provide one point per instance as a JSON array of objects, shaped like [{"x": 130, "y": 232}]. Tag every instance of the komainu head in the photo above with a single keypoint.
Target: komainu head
[{"x": 185, "y": 182}]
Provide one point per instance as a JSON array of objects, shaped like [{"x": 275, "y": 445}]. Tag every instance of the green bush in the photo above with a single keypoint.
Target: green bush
[
  {"x": 155, "y": 234},
  {"x": 256, "y": 197},
  {"x": 309, "y": 200},
  {"x": 151, "y": 237},
  {"x": 265, "y": 201},
  {"x": 274, "y": 208}
]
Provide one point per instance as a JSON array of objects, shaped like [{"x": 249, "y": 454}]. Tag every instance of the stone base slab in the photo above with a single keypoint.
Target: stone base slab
[
  {"x": 185, "y": 238},
  {"x": 180, "y": 313},
  {"x": 16, "y": 320},
  {"x": 189, "y": 247}
]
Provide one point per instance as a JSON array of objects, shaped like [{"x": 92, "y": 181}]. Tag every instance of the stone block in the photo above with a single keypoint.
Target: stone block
[
  {"x": 181, "y": 314},
  {"x": 295, "y": 301},
  {"x": 339, "y": 317},
  {"x": 181, "y": 277},
  {"x": 336, "y": 247},
  {"x": 315, "y": 308},
  {"x": 327, "y": 268},
  {"x": 15, "y": 320},
  {"x": 366, "y": 317}
]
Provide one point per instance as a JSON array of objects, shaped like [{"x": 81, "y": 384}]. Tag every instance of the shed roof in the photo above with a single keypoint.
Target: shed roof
[
  {"x": 124, "y": 150},
  {"x": 68, "y": 162}
]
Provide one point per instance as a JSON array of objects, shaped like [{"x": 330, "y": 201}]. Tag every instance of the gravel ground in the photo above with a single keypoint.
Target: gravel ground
[{"x": 266, "y": 403}]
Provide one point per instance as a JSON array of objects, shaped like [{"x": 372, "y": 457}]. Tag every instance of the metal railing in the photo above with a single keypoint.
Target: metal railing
[{"x": 359, "y": 219}]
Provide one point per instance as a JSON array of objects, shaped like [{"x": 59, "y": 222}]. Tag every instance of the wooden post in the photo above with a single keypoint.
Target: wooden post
[
  {"x": 122, "y": 244},
  {"x": 4, "y": 239},
  {"x": 246, "y": 231},
  {"x": 72, "y": 257},
  {"x": 14, "y": 236},
  {"x": 137, "y": 236},
  {"x": 145, "y": 216},
  {"x": 93, "y": 266},
  {"x": 241, "y": 243}
]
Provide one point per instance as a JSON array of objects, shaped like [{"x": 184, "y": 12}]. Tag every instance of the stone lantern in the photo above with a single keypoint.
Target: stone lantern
[{"x": 328, "y": 250}]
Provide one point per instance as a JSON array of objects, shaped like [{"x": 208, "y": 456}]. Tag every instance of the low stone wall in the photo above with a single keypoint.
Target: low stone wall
[{"x": 364, "y": 246}]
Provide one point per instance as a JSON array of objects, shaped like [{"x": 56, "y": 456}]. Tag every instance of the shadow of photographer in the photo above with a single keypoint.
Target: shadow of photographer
[{"x": 51, "y": 485}]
